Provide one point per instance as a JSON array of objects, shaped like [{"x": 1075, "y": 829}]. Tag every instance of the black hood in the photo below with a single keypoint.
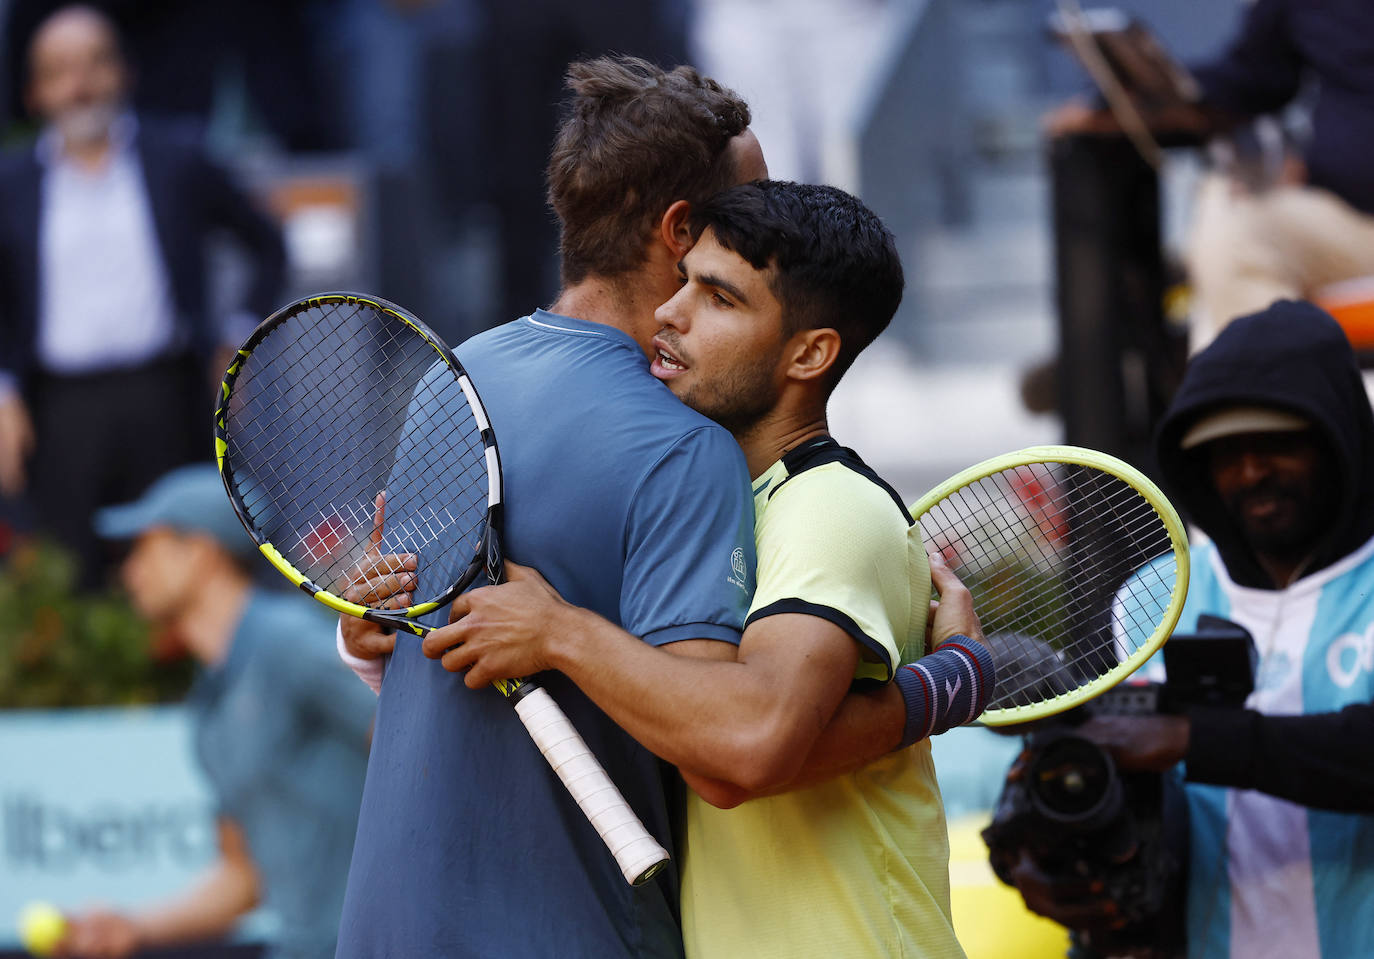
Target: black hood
[{"x": 1294, "y": 357}]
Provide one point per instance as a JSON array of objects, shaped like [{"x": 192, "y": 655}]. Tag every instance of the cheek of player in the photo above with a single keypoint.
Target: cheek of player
[
  {"x": 1271, "y": 484},
  {"x": 721, "y": 335},
  {"x": 160, "y": 572}
]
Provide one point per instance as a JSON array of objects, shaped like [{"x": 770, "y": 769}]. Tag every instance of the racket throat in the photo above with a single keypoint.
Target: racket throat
[{"x": 515, "y": 689}]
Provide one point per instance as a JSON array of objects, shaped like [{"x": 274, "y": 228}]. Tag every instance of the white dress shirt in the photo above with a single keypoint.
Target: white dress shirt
[{"x": 105, "y": 297}]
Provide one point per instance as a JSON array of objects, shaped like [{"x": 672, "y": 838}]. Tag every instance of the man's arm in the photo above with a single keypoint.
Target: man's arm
[
  {"x": 866, "y": 727},
  {"x": 1261, "y": 70},
  {"x": 231, "y": 209},
  {"x": 1323, "y": 760},
  {"x": 762, "y": 722},
  {"x": 208, "y": 911},
  {"x": 384, "y": 580},
  {"x": 16, "y": 425},
  {"x": 16, "y": 438},
  {"x": 871, "y": 723},
  {"x": 749, "y": 721}
]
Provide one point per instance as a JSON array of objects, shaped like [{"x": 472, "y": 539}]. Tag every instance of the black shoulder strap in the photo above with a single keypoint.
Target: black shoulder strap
[{"x": 824, "y": 449}]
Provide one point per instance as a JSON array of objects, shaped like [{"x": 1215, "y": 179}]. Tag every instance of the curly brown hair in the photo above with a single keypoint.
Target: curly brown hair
[{"x": 634, "y": 139}]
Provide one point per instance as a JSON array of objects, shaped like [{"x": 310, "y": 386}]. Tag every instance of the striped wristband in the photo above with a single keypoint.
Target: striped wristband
[{"x": 950, "y": 687}]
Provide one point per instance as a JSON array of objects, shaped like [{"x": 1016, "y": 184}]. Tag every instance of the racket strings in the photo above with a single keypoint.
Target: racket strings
[
  {"x": 372, "y": 397},
  {"x": 1046, "y": 550},
  {"x": 417, "y": 532},
  {"x": 275, "y": 443}
]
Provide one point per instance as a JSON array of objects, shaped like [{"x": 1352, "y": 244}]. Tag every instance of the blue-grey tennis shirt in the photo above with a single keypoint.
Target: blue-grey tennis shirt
[
  {"x": 281, "y": 733},
  {"x": 632, "y": 505}
]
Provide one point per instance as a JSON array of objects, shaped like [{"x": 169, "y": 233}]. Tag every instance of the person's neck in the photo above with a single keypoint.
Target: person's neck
[
  {"x": 207, "y": 625},
  {"x": 776, "y": 433},
  {"x": 1283, "y": 572},
  {"x": 88, "y": 155},
  {"x": 626, "y": 302}
]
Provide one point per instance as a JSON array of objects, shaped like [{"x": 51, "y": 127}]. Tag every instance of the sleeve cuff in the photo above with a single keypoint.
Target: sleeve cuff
[
  {"x": 882, "y": 656},
  {"x": 676, "y": 634},
  {"x": 369, "y": 671}
]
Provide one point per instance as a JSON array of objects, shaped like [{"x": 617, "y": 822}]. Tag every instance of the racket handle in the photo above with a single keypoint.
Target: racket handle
[{"x": 636, "y": 851}]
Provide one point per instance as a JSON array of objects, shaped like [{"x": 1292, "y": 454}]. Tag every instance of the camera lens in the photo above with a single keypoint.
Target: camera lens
[{"x": 1073, "y": 781}]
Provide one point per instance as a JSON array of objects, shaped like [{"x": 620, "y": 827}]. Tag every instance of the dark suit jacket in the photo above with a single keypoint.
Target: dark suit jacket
[{"x": 190, "y": 197}]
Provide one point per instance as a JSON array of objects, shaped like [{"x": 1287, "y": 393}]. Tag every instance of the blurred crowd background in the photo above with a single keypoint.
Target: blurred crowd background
[{"x": 397, "y": 147}]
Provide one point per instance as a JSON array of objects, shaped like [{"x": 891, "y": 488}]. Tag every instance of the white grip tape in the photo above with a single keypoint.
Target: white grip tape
[{"x": 637, "y": 852}]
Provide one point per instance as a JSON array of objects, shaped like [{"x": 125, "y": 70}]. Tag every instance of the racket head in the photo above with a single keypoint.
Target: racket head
[
  {"x": 332, "y": 400},
  {"x": 1078, "y": 565}
]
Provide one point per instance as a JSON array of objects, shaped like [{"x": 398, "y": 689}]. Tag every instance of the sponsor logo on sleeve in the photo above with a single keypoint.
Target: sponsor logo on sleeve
[{"x": 739, "y": 570}]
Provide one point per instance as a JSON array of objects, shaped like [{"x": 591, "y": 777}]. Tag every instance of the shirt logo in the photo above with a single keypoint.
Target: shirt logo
[
  {"x": 738, "y": 569},
  {"x": 952, "y": 690},
  {"x": 1349, "y": 656}
]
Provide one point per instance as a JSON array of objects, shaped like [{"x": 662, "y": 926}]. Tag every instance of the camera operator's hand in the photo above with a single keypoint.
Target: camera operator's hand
[
  {"x": 1140, "y": 743},
  {"x": 1075, "y": 903}
]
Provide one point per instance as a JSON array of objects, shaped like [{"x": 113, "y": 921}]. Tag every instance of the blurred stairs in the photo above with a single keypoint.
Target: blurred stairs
[{"x": 941, "y": 389}]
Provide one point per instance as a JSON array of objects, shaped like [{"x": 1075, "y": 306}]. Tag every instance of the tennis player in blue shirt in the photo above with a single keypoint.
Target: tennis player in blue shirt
[{"x": 633, "y": 504}]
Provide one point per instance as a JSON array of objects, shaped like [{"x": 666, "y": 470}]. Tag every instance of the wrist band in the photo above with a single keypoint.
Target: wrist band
[
  {"x": 948, "y": 688},
  {"x": 369, "y": 671}
]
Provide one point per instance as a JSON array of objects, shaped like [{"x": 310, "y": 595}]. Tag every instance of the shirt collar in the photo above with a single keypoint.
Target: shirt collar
[{"x": 545, "y": 320}]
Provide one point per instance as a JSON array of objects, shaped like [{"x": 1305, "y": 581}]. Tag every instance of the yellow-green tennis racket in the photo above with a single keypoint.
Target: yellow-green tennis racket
[{"x": 1078, "y": 567}]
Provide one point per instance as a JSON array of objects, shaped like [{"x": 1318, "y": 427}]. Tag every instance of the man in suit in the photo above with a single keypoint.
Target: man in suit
[{"x": 105, "y": 344}]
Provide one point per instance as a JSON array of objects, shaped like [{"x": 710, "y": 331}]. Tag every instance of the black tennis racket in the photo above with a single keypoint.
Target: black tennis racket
[{"x": 339, "y": 403}]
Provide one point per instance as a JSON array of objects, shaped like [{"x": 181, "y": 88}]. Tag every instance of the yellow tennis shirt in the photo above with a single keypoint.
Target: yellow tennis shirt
[{"x": 859, "y": 865}]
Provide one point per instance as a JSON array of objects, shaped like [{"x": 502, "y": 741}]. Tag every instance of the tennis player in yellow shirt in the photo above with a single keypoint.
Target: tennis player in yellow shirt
[{"x": 814, "y": 825}]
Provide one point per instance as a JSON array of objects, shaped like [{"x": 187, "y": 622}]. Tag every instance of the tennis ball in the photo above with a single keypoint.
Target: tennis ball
[{"x": 41, "y": 928}]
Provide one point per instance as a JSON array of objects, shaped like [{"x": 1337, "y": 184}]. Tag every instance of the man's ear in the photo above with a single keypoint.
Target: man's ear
[
  {"x": 673, "y": 229},
  {"x": 813, "y": 353}
]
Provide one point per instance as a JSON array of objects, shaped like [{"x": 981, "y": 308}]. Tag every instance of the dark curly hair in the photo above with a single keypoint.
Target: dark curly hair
[{"x": 834, "y": 264}]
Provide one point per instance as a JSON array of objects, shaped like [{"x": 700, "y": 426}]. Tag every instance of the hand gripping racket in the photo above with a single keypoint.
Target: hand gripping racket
[
  {"x": 339, "y": 397},
  {"x": 1078, "y": 567}
]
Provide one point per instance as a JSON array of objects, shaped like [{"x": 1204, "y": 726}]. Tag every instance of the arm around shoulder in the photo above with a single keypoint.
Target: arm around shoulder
[{"x": 870, "y": 724}]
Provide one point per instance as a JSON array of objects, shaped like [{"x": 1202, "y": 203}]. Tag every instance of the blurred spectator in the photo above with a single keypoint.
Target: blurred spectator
[
  {"x": 185, "y": 56},
  {"x": 1269, "y": 446},
  {"x": 280, "y": 730},
  {"x": 528, "y": 46},
  {"x": 805, "y": 65},
  {"x": 1312, "y": 224},
  {"x": 105, "y": 346}
]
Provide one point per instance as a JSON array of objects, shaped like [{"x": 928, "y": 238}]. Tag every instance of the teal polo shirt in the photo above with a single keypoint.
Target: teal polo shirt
[{"x": 281, "y": 731}]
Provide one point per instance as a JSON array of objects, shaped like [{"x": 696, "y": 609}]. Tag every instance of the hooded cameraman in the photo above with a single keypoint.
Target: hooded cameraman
[{"x": 1269, "y": 447}]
